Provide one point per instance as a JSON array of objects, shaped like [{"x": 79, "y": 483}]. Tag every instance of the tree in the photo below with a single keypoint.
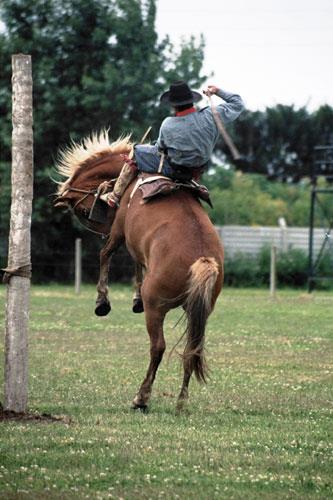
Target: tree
[
  {"x": 252, "y": 199},
  {"x": 280, "y": 141},
  {"x": 245, "y": 203}
]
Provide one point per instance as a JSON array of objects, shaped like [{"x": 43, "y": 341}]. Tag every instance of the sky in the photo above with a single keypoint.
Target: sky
[{"x": 268, "y": 51}]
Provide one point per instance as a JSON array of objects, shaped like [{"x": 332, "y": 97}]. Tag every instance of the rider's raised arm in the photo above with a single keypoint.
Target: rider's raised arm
[{"x": 232, "y": 106}]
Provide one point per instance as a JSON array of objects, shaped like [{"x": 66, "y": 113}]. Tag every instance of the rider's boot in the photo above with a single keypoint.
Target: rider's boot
[{"x": 127, "y": 174}]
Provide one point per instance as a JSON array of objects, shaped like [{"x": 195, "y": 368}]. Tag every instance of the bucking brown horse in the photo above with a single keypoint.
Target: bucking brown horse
[{"x": 171, "y": 238}]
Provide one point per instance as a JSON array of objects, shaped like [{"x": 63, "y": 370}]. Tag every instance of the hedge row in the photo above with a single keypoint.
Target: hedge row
[{"x": 291, "y": 266}]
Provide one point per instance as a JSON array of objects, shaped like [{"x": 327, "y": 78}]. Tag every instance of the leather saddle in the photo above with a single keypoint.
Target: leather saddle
[{"x": 152, "y": 186}]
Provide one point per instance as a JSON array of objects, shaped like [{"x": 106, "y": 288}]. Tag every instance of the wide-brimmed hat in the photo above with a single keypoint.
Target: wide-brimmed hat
[{"x": 179, "y": 93}]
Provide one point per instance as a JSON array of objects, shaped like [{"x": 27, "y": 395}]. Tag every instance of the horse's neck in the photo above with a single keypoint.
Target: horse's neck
[{"x": 103, "y": 169}]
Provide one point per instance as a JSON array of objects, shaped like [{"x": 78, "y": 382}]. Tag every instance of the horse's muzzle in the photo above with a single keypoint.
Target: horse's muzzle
[{"x": 59, "y": 202}]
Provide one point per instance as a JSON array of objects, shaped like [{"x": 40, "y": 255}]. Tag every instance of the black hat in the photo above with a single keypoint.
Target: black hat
[{"x": 179, "y": 93}]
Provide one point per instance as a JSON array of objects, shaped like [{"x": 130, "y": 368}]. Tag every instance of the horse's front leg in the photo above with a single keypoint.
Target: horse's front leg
[
  {"x": 103, "y": 305},
  {"x": 137, "y": 299}
]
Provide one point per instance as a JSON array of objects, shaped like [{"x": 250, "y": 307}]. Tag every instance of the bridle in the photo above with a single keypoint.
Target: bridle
[{"x": 84, "y": 191}]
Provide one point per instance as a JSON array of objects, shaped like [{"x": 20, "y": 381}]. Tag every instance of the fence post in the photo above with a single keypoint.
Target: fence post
[
  {"x": 18, "y": 271},
  {"x": 272, "y": 277},
  {"x": 283, "y": 234},
  {"x": 78, "y": 265},
  {"x": 311, "y": 270}
]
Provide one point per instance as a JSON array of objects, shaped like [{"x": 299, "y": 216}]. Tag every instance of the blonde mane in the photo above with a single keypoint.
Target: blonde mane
[{"x": 73, "y": 157}]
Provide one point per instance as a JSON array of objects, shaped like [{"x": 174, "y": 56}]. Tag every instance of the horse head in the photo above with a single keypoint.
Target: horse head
[{"x": 89, "y": 167}]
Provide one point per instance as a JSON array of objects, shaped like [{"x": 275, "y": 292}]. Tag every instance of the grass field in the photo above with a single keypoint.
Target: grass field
[{"x": 261, "y": 428}]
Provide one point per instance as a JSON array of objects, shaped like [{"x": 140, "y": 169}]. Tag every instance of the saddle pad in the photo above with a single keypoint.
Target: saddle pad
[{"x": 165, "y": 186}]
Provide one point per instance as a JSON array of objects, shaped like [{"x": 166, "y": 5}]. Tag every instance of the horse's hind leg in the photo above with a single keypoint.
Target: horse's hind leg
[
  {"x": 154, "y": 323},
  {"x": 183, "y": 395}
]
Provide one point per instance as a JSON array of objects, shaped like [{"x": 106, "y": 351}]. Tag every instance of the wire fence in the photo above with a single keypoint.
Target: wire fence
[
  {"x": 63, "y": 269},
  {"x": 60, "y": 265}
]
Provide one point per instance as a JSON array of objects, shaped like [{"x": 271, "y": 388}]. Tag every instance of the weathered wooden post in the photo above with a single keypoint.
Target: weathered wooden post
[
  {"x": 18, "y": 273},
  {"x": 283, "y": 234},
  {"x": 78, "y": 265},
  {"x": 272, "y": 277}
]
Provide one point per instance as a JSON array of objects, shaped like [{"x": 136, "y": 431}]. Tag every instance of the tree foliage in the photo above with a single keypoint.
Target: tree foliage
[
  {"x": 252, "y": 199},
  {"x": 100, "y": 63},
  {"x": 279, "y": 142}
]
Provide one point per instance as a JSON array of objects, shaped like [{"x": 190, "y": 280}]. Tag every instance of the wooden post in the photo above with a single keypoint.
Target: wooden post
[
  {"x": 18, "y": 272},
  {"x": 78, "y": 265},
  {"x": 311, "y": 270},
  {"x": 272, "y": 278},
  {"x": 283, "y": 234}
]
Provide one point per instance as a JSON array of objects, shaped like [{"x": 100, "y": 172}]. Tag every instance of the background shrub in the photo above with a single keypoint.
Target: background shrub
[{"x": 292, "y": 269}]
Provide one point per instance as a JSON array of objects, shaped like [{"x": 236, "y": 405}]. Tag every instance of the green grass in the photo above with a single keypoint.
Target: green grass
[{"x": 261, "y": 428}]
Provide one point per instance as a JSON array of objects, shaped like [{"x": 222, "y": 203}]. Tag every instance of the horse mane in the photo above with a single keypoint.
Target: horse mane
[{"x": 78, "y": 155}]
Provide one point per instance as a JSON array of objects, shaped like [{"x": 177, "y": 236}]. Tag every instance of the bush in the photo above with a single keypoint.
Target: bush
[
  {"x": 292, "y": 269},
  {"x": 243, "y": 270}
]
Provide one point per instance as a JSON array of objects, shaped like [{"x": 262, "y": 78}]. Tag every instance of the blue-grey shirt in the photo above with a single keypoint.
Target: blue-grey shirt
[{"x": 190, "y": 139}]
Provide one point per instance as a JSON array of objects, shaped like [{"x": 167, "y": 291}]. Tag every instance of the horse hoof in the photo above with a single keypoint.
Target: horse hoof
[
  {"x": 181, "y": 407},
  {"x": 142, "y": 408},
  {"x": 103, "y": 309},
  {"x": 137, "y": 306}
]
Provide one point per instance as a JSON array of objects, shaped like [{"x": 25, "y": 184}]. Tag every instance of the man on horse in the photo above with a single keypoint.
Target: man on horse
[
  {"x": 186, "y": 140},
  {"x": 184, "y": 262}
]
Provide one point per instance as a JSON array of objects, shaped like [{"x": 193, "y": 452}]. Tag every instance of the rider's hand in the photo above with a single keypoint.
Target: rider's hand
[{"x": 211, "y": 90}]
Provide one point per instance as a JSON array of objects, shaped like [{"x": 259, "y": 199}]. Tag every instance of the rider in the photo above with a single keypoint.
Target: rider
[{"x": 185, "y": 141}]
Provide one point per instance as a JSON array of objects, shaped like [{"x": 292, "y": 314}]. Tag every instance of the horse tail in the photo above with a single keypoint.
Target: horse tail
[{"x": 198, "y": 306}]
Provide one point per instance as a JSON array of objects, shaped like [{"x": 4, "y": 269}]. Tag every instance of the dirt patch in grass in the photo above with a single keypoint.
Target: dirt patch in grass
[{"x": 7, "y": 415}]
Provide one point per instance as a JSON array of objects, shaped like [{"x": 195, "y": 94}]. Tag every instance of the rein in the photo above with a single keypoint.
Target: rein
[{"x": 85, "y": 223}]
